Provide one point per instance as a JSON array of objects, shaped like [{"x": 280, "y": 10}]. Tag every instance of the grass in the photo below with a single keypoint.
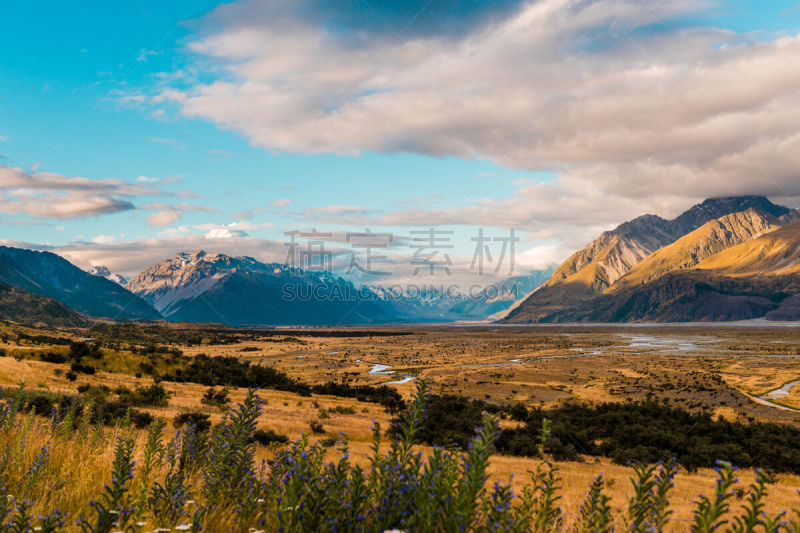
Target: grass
[
  {"x": 139, "y": 480},
  {"x": 456, "y": 360}
]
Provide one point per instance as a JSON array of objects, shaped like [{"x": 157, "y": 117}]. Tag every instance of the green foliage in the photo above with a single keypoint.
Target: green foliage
[
  {"x": 648, "y": 507},
  {"x": 710, "y": 512},
  {"x": 113, "y": 511},
  {"x": 595, "y": 512},
  {"x": 265, "y": 437},
  {"x": 630, "y": 432},
  {"x": 217, "y": 398},
  {"x": 230, "y": 371},
  {"x": 153, "y": 396}
]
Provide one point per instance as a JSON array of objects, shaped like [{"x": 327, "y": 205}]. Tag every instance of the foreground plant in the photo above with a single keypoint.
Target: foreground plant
[{"x": 209, "y": 480}]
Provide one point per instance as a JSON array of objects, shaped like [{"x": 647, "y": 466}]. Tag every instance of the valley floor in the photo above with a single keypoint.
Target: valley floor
[{"x": 724, "y": 369}]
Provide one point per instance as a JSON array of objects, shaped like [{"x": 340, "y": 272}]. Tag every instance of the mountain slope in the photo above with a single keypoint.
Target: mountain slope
[
  {"x": 50, "y": 275},
  {"x": 205, "y": 287},
  {"x": 754, "y": 279},
  {"x": 710, "y": 239},
  {"x": 774, "y": 254},
  {"x": 609, "y": 258},
  {"x": 19, "y": 305}
]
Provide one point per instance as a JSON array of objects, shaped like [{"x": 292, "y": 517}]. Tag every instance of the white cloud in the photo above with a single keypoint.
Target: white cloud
[
  {"x": 225, "y": 233},
  {"x": 337, "y": 210},
  {"x": 168, "y": 214},
  {"x": 144, "y": 54},
  {"x": 4, "y": 139},
  {"x": 163, "y": 218},
  {"x": 131, "y": 257},
  {"x": 583, "y": 88},
  {"x": 103, "y": 239},
  {"x": 50, "y": 195}
]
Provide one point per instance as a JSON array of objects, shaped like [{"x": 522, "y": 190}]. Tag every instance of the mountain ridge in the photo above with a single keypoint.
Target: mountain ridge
[
  {"x": 667, "y": 279},
  {"x": 48, "y": 274}
]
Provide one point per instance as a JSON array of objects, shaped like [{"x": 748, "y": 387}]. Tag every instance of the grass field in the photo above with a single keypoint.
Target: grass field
[{"x": 695, "y": 368}]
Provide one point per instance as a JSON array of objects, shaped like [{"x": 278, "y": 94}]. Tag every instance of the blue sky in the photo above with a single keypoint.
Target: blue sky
[{"x": 189, "y": 103}]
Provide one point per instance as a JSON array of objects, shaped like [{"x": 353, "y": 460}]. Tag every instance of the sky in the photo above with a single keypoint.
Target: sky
[{"x": 134, "y": 130}]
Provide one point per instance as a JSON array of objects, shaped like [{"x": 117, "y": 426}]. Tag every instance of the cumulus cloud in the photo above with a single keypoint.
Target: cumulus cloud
[
  {"x": 623, "y": 100},
  {"x": 225, "y": 233}
]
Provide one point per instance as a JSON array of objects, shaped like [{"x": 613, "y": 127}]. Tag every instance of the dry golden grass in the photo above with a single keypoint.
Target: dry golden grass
[{"x": 471, "y": 361}]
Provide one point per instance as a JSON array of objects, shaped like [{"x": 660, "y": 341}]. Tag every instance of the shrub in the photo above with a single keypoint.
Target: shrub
[
  {"x": 80, "y": 349},
  {"x": 153, "y": 396},
  {"x": 52, "y": 357},
  {"x": 200, "y": 421},
  {"x": 265, "y": 437},
  {"x": 82, "y": 369},
  {"x": 219, "y": 370},
  {"x": 216, "y": 398}
]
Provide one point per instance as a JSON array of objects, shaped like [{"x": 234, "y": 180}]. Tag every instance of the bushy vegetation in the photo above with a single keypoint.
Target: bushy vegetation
[
  {"x": 153, "y": 396},
  {"x": 197, "y": 335},
  {"x": 234, "y": 372},
  {"x": 210, "y": 481},
  {"x": 644, "y": 432},
  {"x": 94, "y": 408},
  {"x": 230, "y": 371},
  {"x": 387, "y": 396}
]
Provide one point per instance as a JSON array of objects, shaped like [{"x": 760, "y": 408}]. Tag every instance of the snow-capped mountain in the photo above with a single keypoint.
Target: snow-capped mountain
[
  {"x": 211, "y": 287},
  {"x": 104, "y": 272}
]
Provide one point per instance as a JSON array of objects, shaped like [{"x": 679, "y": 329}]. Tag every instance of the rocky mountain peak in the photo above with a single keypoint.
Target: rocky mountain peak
[
  {"x": 713, "y": 208},
  {"x": 105, "y": 272}
]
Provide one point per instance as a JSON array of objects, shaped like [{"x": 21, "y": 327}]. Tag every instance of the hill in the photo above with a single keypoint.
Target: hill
[
  {"x": 50, "y": 275},
  {"x": 19, "y": 305}
]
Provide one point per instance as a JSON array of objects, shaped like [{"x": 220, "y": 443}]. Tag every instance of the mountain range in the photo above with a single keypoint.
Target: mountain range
[
  {"x": 733, "y": 258},
  {"x": 41, "y": 287},
  {"x": 723, "y": 259}
]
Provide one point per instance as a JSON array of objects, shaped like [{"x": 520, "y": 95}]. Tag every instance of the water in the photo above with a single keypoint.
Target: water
[
  {"x": 381, "y": 370},
  {"x": 776, "y": 394},
  {"x": 385, "y": 370},
  {"x": 401, "y": 381}
]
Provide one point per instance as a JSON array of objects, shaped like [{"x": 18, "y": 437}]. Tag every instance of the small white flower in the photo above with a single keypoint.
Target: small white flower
[{"x": 183, "y": 527}]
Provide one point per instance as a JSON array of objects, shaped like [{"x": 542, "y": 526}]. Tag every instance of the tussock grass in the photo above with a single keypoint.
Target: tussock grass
[{"x": 64, "y": 474}]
